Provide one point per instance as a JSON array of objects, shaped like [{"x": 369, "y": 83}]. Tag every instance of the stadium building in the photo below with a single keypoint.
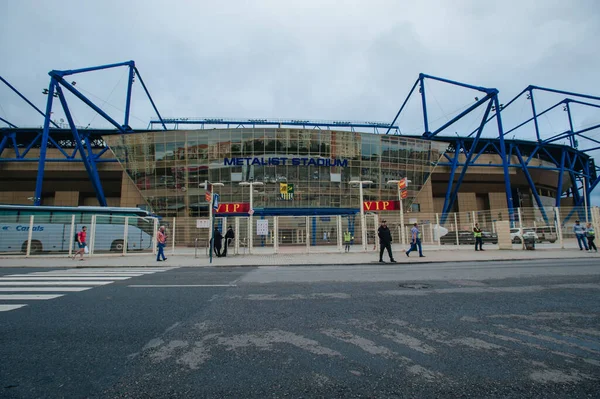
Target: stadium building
[{"x": 295, "y": 167}]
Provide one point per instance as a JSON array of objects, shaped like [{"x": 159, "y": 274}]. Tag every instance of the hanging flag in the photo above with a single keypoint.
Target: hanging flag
[
  {"x": 208, "y": 192},
  {"x": 403, "y": 194},
  {"x": 286, "y": 191},
  {"x": 402, "y": 184}
]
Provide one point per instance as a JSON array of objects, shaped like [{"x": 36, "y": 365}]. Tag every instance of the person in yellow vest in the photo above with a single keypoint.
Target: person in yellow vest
[
  {"x": 347, "y": 240},
  {"x": 591, "y": 234},
  {"x": 478, "y": 237}
]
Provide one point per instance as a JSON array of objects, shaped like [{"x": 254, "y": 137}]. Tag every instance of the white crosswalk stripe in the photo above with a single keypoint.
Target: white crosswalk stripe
[
  {"x": 58, "y": 278},
  {"x": 44, "y": 289},
  {"x": 37, "y": 286},
  {"x": 6, "y": 308}
]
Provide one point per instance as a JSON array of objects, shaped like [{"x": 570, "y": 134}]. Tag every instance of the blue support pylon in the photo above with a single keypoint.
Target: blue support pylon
[
  {"x": 37, "y": 198},
  {"x": 82, "y": 143}
]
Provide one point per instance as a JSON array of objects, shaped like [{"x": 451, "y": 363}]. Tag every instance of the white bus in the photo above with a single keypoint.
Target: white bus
[{"x": 52, "y": 228}]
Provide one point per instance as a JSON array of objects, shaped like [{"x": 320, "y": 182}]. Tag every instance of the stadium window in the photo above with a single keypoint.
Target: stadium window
[{"x": 415, "y": 208}]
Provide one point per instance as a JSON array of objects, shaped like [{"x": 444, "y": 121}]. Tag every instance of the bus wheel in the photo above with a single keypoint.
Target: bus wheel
[
  {"x": 36, "y": 247},
  {"x": 117, "y": 246}
]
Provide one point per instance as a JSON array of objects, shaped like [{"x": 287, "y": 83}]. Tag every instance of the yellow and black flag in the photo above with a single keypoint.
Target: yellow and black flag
[{"x": 286, "y": 191}]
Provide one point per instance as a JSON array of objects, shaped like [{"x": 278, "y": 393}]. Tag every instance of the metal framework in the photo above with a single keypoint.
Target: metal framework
[
  {"x": 78, "y": 144},
  {"x": 82, "y": 140},
  {"x": 242, "y": 123},
  {"x": 465, "y": 151}
]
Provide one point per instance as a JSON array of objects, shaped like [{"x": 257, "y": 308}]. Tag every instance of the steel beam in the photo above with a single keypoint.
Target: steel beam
[
  {"x": 25, "y": 99},
  {"x": 402, "y": 107},
  {"x": 505, "y": 161},
  {"x": 150, "y": 97},
  {"x": 531, "y": 185},
  {"x": 424, "y": 104},
  {"x": 37, "y": 199},
  {"x": 468, "y": 157},
  {"x": 88, "y": 161}
]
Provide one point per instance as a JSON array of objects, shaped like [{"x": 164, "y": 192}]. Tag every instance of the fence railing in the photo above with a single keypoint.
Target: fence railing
[
  {"x": 119, "y": 235},
  {"x": 105, "y": 234}
]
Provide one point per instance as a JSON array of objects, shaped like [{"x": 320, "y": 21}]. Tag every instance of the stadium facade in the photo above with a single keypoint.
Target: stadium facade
[
  {"x": 305, "y": 167},
  {"x": 165, "y": 170}
]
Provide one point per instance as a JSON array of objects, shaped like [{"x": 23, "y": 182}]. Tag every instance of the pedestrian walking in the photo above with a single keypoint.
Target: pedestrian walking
[
  {"x": 579, "y": 231},
  {"x": 415, "y": 242},
  {"x": 161, "y": 240},
  {"x": 81, "y": 243},
  {"x": 591, "y": 234},
  {"x": 478, "y": 237},
  {"x": 229, "y": 236},
  {"x": 385, "y": 241},
  {"x": 217, "y": 240},
  {"x": 347, "y": 240}
]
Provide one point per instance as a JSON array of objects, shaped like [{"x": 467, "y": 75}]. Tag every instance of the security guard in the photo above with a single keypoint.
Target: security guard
[
  {"x": 347, "y": 240},
  {"x": 478, "y": 237}
]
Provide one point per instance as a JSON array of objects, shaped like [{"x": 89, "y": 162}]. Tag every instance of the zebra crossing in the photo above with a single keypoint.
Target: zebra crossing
[{"x": 19, "y": 290}]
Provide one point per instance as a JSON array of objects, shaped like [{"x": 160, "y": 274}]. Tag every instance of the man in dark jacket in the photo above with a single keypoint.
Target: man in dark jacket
[
  {"x": 229, "y": 236},
  {"x": 385, "y": 241},
  {"x": 218, "y": 238}
]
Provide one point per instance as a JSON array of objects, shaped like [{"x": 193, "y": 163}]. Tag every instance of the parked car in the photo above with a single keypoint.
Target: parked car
[
  {"x": 517, "y": 234},
  {"x": 467, "y": 238},
  {"x": 546, "y": 233}
]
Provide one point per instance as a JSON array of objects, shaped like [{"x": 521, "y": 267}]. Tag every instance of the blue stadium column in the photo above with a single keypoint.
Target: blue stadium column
[
  {"x": 561, "y": 173},
  {"x": 37, "y": 200},
  {"x": 505, "y": 161},
  {"x": 423, "y": 103},
  {"x": 88, "y": 160}
]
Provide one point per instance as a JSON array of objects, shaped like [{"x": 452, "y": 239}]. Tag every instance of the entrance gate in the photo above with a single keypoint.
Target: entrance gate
[{"x": 298, "y": 234}]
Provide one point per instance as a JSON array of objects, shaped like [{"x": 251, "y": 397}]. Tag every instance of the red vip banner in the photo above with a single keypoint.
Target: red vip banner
[
  {"x": 242, "y": 207},
  {"x": 381, "y": 205}
]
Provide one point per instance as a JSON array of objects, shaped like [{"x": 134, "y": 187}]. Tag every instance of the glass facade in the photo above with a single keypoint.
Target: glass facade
[{"x": 168, "y": 167}]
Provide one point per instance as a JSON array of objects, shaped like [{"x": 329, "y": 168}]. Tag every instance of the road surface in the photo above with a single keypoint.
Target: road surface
[{"x": 499, "y": 329}]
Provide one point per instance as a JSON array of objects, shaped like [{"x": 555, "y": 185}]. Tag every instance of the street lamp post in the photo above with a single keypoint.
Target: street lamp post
[
  {"x": 363, "y": 227},
  {"x": 251, "y": 184},
  {"x": 397, "y": 182},
  {"x": 211, "y": 218}
]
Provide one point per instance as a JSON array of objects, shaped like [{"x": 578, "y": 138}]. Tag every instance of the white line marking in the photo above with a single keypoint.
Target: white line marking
[
  {"x": 44, "y": 289},
  {"x": 66, "y": 274},
  {"x": 29, "y": 278},
  {"x": 13, "y": 283},
  {"x": 182, "y": 285},
  {"x": 6, "y": 308},
  {"x": 33, "y": 297},
  {"x": 92, "y": 276}
]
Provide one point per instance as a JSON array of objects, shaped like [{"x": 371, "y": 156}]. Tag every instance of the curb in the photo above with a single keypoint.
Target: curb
[{"x": 372, "y": 263}]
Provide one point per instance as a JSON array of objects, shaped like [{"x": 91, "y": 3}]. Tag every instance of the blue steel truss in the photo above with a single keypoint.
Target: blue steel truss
[
  {"x": 82, "y": 140},
  {"x": 466, "y": 150},
  {"x": 76, "y": 144}
]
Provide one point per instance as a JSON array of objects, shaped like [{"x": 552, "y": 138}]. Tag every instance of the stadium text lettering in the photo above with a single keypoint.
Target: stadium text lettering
[
  {"x": 233, "y": 208},
  {"x": 381, "y": 205},
  {"x": 276, "y": 161}
]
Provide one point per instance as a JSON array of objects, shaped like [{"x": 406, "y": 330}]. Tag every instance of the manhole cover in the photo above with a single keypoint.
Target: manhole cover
[{"x": 415, "y": 286}]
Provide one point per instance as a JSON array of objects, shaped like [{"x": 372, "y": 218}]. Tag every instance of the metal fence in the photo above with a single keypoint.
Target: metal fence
[
  {"x": 551, "y": 228},
  {"x": 105, "y": 234},
  {"x": 118, "y": 235}
]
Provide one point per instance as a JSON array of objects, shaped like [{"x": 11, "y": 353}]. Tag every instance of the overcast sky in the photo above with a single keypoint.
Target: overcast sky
[{"x": 348, "y": 60}]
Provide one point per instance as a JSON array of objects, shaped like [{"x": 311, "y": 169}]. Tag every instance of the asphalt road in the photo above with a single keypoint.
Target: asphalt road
[{"x": 506, "y": 329}]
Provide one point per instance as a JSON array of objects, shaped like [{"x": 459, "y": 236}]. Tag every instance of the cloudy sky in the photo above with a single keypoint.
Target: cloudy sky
[{"x": 348, "y": 60}]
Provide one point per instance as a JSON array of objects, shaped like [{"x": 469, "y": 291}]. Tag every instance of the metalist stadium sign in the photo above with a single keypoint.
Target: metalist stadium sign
[{"x": 276, "y": 161}]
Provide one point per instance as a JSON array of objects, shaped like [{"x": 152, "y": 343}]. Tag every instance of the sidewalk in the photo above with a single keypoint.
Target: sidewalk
[{"x": 182, "y": 259}]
